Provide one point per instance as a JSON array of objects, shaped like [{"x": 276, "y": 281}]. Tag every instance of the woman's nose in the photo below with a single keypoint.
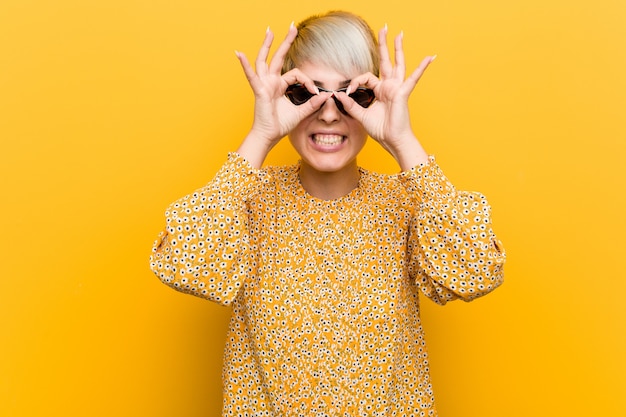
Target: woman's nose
[{"x": 331, "y": 110}]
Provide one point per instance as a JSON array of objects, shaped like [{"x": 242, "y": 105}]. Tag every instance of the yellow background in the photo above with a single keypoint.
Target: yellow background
[{"x": 111, "y": 109}]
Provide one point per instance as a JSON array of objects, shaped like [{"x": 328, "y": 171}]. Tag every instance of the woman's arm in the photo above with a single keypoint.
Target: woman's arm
[
  {"x": 204, "y": 249},
  {"x": 454, "y": 251}
]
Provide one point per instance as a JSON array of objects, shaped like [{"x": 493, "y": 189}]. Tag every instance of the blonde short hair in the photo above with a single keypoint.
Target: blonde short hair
[{"x": 340, "y": 40}]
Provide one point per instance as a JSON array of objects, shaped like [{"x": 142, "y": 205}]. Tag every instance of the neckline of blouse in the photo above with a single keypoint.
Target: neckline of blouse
[{"x": 353, "y": 196}]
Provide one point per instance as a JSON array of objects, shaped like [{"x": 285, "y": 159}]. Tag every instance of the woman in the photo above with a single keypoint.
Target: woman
[{"x": 323, "y": 261}]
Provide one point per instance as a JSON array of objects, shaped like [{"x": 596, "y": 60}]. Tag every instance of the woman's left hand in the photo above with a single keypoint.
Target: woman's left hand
[{"x": 387, "y": 120}]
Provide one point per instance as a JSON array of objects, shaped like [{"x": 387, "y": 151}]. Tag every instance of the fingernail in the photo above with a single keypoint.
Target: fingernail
[
  {"x": 292, "y": 24},
  {"x": 267, "y": 30},
  {"x": 385, "y": 27},
  {"x": 348, "y": 90},
  {"x": 401, "y": 34},
  {"x": 237, "y": 53},
  {"x": 432, "y": 58}
]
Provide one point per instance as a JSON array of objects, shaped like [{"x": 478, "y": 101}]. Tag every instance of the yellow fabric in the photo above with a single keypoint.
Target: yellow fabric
[{"x": 325, "y": 293}]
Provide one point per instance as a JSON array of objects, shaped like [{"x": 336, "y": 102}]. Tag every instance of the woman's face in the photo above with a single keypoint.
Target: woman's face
[{"x": 328, "y": 141}]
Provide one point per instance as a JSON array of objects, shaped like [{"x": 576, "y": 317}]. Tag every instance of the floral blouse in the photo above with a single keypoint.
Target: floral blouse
[{"x": 324, "y": 294}]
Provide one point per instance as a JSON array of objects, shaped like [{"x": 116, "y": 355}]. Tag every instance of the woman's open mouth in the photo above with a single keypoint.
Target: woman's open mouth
[{"x": 327, "y": 140}]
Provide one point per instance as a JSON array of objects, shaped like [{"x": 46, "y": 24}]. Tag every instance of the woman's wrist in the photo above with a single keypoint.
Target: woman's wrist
[
  {"x": 254, "y": 149},
  {"x": 409, "y": 153}
]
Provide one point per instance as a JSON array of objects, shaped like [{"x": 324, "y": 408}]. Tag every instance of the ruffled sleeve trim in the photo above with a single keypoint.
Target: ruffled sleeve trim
[
  {"x": 427, "y": 182},
  {"x": 239, "y": 177}
]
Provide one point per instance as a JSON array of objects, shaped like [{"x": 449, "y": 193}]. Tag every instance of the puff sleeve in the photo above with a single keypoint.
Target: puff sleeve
[
  {"x": 454, "y": 253},
  {"x": 204, "y": 248}
]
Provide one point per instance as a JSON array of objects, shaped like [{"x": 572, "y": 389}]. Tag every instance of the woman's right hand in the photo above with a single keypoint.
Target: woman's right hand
[{"x": 274, "y": 115}]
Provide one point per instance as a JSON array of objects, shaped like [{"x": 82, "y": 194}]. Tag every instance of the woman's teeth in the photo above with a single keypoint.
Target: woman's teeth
[{"x": 328, "y": 139}]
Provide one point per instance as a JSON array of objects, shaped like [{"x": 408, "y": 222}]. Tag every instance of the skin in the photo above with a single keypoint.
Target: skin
[{"x": 329, "y": 169}]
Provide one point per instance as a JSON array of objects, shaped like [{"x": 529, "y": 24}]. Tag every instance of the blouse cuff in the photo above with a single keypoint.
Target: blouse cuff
[
  {"x": 239, "y": 177},
  {"x": 427, "y": 182}
]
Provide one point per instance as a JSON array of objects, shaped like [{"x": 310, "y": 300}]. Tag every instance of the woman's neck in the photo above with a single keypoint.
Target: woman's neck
[{"x": 329, "y": 185}]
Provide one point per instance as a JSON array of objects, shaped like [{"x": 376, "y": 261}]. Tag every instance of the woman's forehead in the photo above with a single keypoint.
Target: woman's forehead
[{"x": 325, "y": 76}]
